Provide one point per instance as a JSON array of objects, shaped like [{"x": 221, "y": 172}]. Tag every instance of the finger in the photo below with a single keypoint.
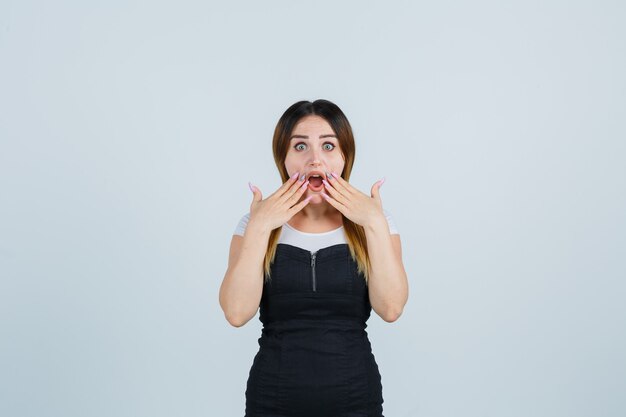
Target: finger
[
  {"x": 340, "y": 184},
  {"x": 298, "y": 193},
  {"x": 295, "y": 187},
  {"x": 336, "y": 204},
  {"x": 376, "y": 189},
  {"x": 256, "y": 193},
  {"x": 285, "y": 186},
  {"x": 336, "y": 194},
  {"x": 299, "y": 206}
]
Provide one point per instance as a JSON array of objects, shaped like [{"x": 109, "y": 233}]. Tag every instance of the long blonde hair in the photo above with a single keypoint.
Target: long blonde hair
[{"x": 355, "y": 234}]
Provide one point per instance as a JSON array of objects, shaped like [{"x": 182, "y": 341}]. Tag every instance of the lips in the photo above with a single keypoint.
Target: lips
[
  {"x": 315, "y": 183},
  {"x": 320, "y": 173}
]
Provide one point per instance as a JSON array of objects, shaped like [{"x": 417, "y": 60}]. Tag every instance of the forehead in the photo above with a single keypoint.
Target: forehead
[{"x": 312, "y": 123}]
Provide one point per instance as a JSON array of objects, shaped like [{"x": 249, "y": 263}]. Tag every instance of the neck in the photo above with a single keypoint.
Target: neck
[{"x": 316, "y": 212}]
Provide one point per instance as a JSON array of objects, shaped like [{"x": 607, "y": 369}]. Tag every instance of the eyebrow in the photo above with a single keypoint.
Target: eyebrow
[{"x": 306, "y": 137}]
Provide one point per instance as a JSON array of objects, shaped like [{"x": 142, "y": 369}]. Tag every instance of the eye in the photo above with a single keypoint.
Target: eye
[{"x": 304, "y": 144}]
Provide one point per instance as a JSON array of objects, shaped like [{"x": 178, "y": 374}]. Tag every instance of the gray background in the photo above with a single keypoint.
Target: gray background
[{"x": 129, "y": 131}]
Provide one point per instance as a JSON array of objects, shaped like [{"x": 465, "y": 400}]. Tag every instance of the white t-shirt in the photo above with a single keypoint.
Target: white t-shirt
[{"x": 311, "y": 241}]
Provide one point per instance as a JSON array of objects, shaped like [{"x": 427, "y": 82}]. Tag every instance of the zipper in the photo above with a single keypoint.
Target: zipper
[{"x": 313, "y": 255}]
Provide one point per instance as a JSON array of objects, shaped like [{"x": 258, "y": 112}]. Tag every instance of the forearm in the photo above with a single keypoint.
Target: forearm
[
  {"x": 388, "y": 284},
  {"x": 242, "y": 288}
]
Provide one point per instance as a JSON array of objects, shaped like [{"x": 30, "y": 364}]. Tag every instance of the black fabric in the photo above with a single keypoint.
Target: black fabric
[{"x": 315, "y": 358}]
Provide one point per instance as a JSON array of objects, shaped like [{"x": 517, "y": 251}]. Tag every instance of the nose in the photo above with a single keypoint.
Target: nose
[{"x": 316, "y": 158}]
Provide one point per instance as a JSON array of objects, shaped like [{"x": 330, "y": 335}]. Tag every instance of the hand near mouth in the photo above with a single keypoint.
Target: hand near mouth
[
  {"x": 280, "y": 206},
  {"x": 352, "y": 203}
]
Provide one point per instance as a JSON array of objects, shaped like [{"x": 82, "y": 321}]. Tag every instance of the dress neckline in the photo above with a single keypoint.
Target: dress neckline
[{"x": 338, "y": 250}]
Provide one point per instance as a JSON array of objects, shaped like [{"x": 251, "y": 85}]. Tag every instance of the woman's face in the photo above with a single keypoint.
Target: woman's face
[{"x": 313, "y": 147}]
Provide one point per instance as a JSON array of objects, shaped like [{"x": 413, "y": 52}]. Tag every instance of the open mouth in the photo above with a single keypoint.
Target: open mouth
[{"x": 315, "y": 184}]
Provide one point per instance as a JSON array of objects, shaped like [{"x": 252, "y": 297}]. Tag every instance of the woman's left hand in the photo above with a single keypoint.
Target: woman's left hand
[{"x": 352, "y": 203}]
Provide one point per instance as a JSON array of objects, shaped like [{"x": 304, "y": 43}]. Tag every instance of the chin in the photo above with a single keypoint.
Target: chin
[{"x": 319, "y": 198}]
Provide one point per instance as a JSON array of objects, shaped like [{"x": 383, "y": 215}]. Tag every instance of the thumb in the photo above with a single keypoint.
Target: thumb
[
  {"x": 257, "y": 193},
  {"x": 376, "y": 188}
]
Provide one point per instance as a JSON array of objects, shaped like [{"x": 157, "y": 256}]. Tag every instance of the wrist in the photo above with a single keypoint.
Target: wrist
[
  {"x": 258, "y": 229},
  {"x": 378, "y": 222}
]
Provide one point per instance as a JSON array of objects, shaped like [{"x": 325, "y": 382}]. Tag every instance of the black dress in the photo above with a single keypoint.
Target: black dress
[{"x": 314, "y": 358}]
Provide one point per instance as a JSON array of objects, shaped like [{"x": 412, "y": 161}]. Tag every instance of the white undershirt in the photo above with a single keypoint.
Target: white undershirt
[{"x": 310, "y": 241}]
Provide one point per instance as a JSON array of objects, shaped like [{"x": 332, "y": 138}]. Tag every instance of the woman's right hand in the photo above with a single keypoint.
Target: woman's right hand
[{"x": 279, "y": 207}]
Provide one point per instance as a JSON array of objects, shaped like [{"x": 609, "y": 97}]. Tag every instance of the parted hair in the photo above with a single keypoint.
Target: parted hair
[{"x": 355, "y": 234}]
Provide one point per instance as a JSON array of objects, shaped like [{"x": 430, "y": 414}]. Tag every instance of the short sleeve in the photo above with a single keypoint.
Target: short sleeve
[
  {"x": 393, "y": 230},
  {"x": 241, "y": 226}
]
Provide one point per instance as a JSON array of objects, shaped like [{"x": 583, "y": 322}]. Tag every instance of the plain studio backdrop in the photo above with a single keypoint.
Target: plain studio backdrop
[{"x": 129, "y": 132}]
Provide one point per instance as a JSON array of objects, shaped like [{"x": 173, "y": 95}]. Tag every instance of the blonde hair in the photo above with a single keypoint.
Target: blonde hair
[{"x": 355, "y": 234}]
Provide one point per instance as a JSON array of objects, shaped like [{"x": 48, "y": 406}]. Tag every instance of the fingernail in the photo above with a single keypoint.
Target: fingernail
[
  {"x": 295, "y": 175},
  {"x": 302, "y": 177},
  {"x": 381, "y": 182},
  {"x": 335, "y": 174},
  {"x": 250, "y": 185}
]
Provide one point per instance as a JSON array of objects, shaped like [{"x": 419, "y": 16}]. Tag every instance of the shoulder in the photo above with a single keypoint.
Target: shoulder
[
  {"x": 241, "y": 226},
  {"x": 392, "y": 224}
]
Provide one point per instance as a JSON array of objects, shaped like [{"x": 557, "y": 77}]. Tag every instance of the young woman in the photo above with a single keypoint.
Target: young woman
[{"x": 316, "y": 257}]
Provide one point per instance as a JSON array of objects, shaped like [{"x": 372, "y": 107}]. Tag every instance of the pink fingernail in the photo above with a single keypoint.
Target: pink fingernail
[
  {"x": 250, "y": 185},
  {"x": 381, "y": 182}
]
